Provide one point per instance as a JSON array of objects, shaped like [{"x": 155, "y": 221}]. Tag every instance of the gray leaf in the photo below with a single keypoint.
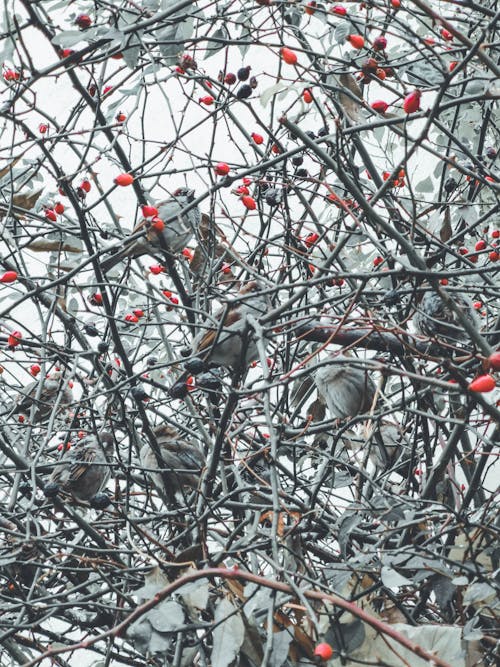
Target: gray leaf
[
  {"x": 342, "y": 30},
  {"x": 228, "y": 635},
  {"x": 281, "y": 643},
  {"x": 167, "y": 616},
  {"x": 214, "y": 47}
]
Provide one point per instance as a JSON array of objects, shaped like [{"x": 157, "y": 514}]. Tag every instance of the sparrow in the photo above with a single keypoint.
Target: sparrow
[
  {"x": 55, "y": 392},
  {"x": 435, "y": 320},
  {"x": 181, "y": 463},
  {"x": 179, "y": 229},
  {"x": 226, "y": 340},
  {"x": 347, "y": 391},
  {"x": 84, "y": 471}
]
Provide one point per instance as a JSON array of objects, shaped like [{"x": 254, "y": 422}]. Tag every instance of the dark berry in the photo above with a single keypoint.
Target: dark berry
[
  {"x": 178, "y": 390},
  {"x": 151, "y": 361},
  {"x": 253, "y": 82},
  {"x": 244, "y": 73},
  {"x": 100, "y": 501},
  {"x": 322, "y": 132},
  {"x": 138, "y": 393},
  {"x": 195, "y": 366},
  {"x": 102, "y": 347},
  {"x": 491, "y": 153},
  {"x": 51, "y": 490},
  {"x": 25, "y": 488},
  {"x": 274, "y": 197},
  {"x": 310, "y": 134},
  {"x": 230, "y": 78},
  {"x": 450, "y": 185},
  {"x": 208, "y": 382},
  {"x": 297, "y": 160},
  {"x": 243, "y": 92},
  {"x": 91, "y": 330},
  {"x": 301, "y": 173}
]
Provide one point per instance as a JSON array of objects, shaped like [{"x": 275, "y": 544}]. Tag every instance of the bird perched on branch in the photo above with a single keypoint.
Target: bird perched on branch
[
  {"x": 84, "y": 471},
  {"x": 437, "y": 320},
  {"x": 180, "y": 465},
  {"x": 56, "y": 393},
  {"x": 348, "y": 391},
  {"x": 179, "y": 227}
]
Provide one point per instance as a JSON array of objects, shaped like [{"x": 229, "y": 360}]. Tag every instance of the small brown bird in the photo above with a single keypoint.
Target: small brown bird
[
  {"x": 179, "y": 229},
  {"x": 226, "y": 339},
  {"x": 55, "y": 392},
  {"x": 84, "y": 471},
  {"x": 347, "y": 391},
  {"x": 181, "y": 465},
  {"x": 434, "y": 319}
]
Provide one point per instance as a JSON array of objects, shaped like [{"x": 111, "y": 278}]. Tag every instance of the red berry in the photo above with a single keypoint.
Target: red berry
[
  {"x": 157, "y": 224},
  {"x": 276, "y": 149},
  {"x": 339, "y": 10},
  {"x": 380, "y": 73},
  {"x": 257, "y": 138},
  {"x": 222, "y": 169},
  {"x": 9, "y": 277},
  {"x": 35, "y": 369},
  {"x": 120, "y": 117},
  {"x": 378, "y": 260},
  {"x": 85, "y": 186},
  {"x": 131, "y": 318},
  {"x": 64, "y": 53},
  {"x": 396, "y": 4},
  {"x": 480, "y": 245},
  {"x": 83, "y": 21},
  {"x": 494, "y": 361},
  {"x": 96, "y": 299},
  {"x": 149, "y": 211},
  {"x": 226, "y": 269},
  {"x": 246, "y": 180},
  {"x": 463, "y": 251},
  {"x": 11, "y": 75},
  {"x": 207, "y": 100},
  {"x": 242, "y": 190},
  {"x": 483, "y": 384},
  {"x": 230, "y": 79},
  {"x": 323, "y": 651},
  {"x": 307, "y": 96},
  {"x": 311, "y": 239},
  {"x": 50, "y": 214},
  {"x": 380, "y": 43},
  {"x": 411, "y": 102},
  {"x": 59, "y": 208},
  {"x": 477, "y": 305},
  {"x": 138, "y": 312},
  {"x": 124, "y": 179},
  {"x": 310, "y": 8},
  {"x": 446, "y": 34},
  {"x": 452, "y": 65},
  {"x": 249, "y": 202},
  {"x": 356, "y": 41},
  {"x": 495, "y": 233},
  {"x": 187, "y": 253},
  {"x": 157, "y": 269},
  {"x": 289, "y": 56},
  {"x": 444, "y": 281},
  {"x": 14, "y": 339},
  {"x": 107, "y": 89},
  {"x": 494, "y": 256},
  {"x": 42, "y": 128},
  {"x": 379, "y": 106}
]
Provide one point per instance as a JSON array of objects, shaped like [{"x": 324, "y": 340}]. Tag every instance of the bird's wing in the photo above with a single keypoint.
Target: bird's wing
[{"x": 231, "y": 317}]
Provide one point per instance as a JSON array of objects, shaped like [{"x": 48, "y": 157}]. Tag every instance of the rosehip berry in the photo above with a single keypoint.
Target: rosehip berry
[
  {"x": 207, "y": 100},
  {"x": 222, "y": 169},
  {"x": 289, "y": 56},
  {"x": 149, "y": 211},
  {"x": 11, "y": 75},
  {"x": 494, "y": 361},
  {"x": 491, "y": 153},
  {"x": 356, "y": 41},
  {"x": 339, "y": 10},
  {"x": 480, "y": 245},
  {"x": 249, "y": 202},
  {"x": 493, "y": 256},
  {"x": 120, "y": 117},
  {"x": 452, "y": 65},
  {"x": 50, "y": 214},
  {"x": 14, "y": 338},
  {"x": 323, "y": 651},
  {"x": 307, "y": 96},
  {"x": 310, "y": 7},
  {"x": 244, "y": 92},
  {"x": 156, "y": 270},
  {"x": 131, "y": 318},
  {"x": 257, "y": 138},
  {"x": 380, "y": 43},
  {"x": 107, "y": 89},
  {"x": 9, "y": 277},
  {"x": 138, "y": 312},
  {"x": 446, "y": 34},
  {"x": 59, "y": 208},
  {"x": 187, "y": 253},
  {"x": 230, "y": 79},
  {"x": 124, "y": 179},
  {"x": 495, "y": 233},
  {"x": 379, "y": 106},
  {"x": 157, "y": 224},
  {"x": 411, "y": 102},
  {"x": 85, "y": 186},
  {"x": 35, "y": 369},
  {"x": 311, "y": 239},
  {"x": 83, "y": 21},
  {"x": 443, "y": 281},
  {"x": 65, "y": 53},
  {"x": 483, "y": 384},
  {"x": 378, "y": 260},
  {"x": 42, "y": 128},
  {"x": 96, "y": 299}
]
